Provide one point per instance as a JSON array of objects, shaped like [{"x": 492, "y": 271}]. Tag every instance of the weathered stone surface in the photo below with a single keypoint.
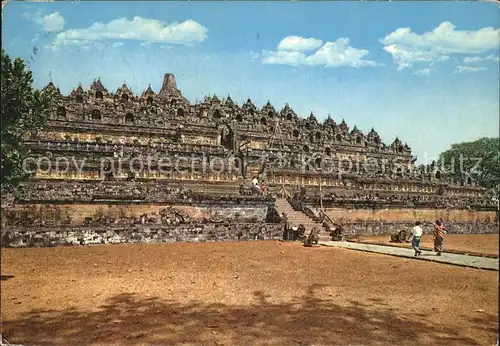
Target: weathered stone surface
[
  {"x": 402, "y": 236},
  {"x": 114, "y": 159},
  {"x": 273, "y": 216},
  {"x": 44, "y": 237},
  {"x": 169, "y": 87},
  {"x": 335, "y": 232},
  {"x": 57, "y": 215},
  {"x": 313, "y": 237}
]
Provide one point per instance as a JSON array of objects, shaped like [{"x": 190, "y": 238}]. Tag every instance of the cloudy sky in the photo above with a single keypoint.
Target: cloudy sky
[{"x": 424, "y": 71}]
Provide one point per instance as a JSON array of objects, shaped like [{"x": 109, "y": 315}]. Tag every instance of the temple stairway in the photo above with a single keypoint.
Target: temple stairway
[{"x": 297, "y": 217}]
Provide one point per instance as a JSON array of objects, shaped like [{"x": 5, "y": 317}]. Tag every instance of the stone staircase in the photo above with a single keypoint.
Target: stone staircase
[{"x": 297, "y": 217}]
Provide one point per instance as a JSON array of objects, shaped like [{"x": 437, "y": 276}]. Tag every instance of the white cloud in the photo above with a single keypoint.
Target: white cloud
[
  {"x": 475, "y": 59},
  {"x": 407, "y": 47},
  {"x": 405, "y": 58},
  {"x": 299, "y": 44},
  {"x": 423, "y": 72},
  {"x": 52, "y": 22},
  {"x": 471, "y": 60},
  {"x": 331, "y": 54},
  {"x": 339, "y": 53},
  {"x": 117, "y": 44},
  {"x": 493, "y": 58},
  {"x": 460, "y": 69},
  {"x": 187, "y": 33},
  {"x": 283, "y": 57}
]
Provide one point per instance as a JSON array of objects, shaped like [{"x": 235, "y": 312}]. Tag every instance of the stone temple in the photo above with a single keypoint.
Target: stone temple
[{"x": 118, "y": 167}]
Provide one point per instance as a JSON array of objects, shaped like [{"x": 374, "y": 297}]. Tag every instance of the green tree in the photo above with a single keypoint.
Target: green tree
[
  {"x": 24, "y": 110},
  {"x": 479, "y": 159}
]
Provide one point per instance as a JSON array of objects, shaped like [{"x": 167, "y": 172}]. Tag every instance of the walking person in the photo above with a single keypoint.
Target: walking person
[
  {"x": 439, "y": 232},
  {"x": 287, "y": 234},
  {"x": 416, "y": 233}
]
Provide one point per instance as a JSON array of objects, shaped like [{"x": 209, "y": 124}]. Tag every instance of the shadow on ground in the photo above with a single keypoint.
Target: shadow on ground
[{"x": 130, "y": 319}]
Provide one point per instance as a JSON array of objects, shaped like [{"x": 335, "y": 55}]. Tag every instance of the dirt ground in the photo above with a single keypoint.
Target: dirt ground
[
  {"x": 472, "y": 243},
  {"x": 241, "y": 293}
]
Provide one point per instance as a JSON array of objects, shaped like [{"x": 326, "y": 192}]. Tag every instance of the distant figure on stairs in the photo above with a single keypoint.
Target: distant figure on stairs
[
  {"x": 261, "y": 188},
  {"x": 255, "y": 184}
]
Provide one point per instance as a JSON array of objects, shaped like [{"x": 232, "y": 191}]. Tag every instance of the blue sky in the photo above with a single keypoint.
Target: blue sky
[{"x": 424, "y": 71}]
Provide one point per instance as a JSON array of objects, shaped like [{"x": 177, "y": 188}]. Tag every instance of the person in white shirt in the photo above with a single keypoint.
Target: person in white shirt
[
  {"x": 255, "y": 184},
  {"x": 416, "y": 233}
]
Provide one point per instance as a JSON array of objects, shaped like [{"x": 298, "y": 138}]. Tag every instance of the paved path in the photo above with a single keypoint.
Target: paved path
[{"x": 449, "y": 258}]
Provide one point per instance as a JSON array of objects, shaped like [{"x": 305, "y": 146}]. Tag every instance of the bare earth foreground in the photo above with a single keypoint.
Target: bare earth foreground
[{"x": 241, "y": 293}]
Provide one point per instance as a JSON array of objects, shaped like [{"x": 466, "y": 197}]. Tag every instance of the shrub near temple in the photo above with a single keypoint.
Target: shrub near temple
[{"x": 23, "y": 112}]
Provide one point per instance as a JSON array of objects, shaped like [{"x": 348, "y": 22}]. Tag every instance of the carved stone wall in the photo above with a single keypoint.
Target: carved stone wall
[
  {"x": 167, "y": 117},
  {"x": 192, "y": 160},
  {"x": 14, "y": 237},
  {"x": 347, "y": 216},
  {"x": 65, "y": 215},
  {"x": 44, "y": 237},
  {"x": 95, "y": 124},
  {"x": 99, "y": 123}
]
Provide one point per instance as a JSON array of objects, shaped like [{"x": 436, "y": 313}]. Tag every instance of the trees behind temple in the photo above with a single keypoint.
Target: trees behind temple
[
  {"x": 480, "y": 159},
  {"x": 23, "y": 111}
]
